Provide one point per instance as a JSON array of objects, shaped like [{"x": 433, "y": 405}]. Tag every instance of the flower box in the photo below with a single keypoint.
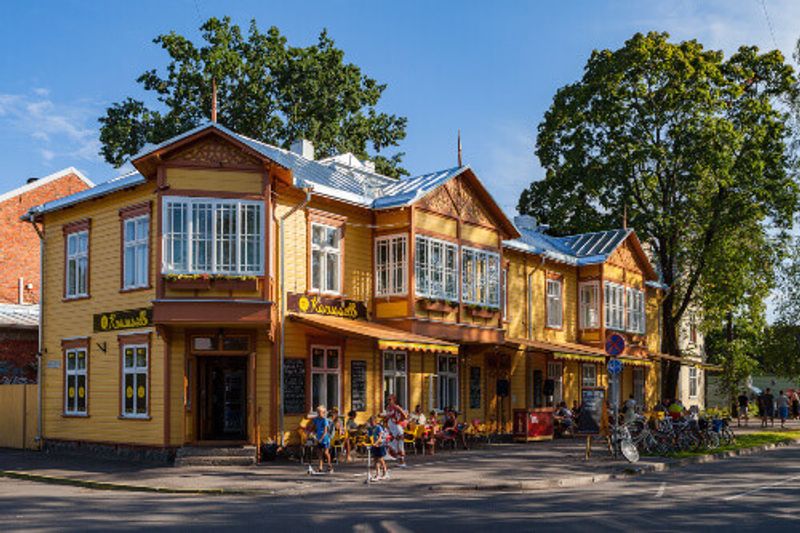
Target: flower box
[
  {"x": 436, "y": 305},
  {"x": 477, "y": 312},
  {"x": 240, "y": 285},
  {"x": 188, "y": 284}
]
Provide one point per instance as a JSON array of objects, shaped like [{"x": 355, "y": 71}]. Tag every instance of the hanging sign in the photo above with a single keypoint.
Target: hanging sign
[
  {"x": 126, "y": 319},
  {"x": 321, "y": 305}
]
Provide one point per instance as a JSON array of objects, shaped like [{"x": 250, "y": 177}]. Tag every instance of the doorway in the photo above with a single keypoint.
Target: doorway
[{"x": 222, "y": 415}]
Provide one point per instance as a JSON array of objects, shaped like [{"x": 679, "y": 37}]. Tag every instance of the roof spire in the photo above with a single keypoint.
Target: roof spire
[
  {"x": 459, "y": 148},
  {"x": 213, "y": 99}
]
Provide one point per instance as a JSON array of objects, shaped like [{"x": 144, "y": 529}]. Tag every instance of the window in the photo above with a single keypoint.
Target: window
[
  {"x": 134, "y": 380},
  {"x": 213, "y": 236},
  {"x": 693, "y": 328},
  {"x": 75, "y": 384},
  {"x": 447, "y": 377},
  {"x": 692, "y": 382},
  {"x": 589, "y": 375},
  {"x": 391, "y": 265},
  {"x": 480, "y": 277},
  {"x": 555, "y": 372},
  {"x": 614, "y": 305},
  {"x": 436, "y": 269},
  {"x": 325, "y": 368},
  {"x": 554, "y": 309},
  {"x": 394, "y": 377},
  {"x": 136, "y": 235},
  {"x": 589, "y": 303},
  {"x": 326, "y": 256},
  {"x": 635, "y": 300},
  {"x": 638, "y": 385},
  {"x": 77, "y": 282}
]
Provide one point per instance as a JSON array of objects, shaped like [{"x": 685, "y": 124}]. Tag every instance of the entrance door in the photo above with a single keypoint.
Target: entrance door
[{"x": 223, "y": 398}]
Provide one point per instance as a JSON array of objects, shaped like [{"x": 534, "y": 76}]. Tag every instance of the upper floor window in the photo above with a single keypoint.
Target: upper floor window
[
  {"x": 693, "y": 328},
  {"x": 136, "y": 237},
  {"x": 77, "y": 264},
  {"x": 436, "y": 268},
  {"x": 211, "y": 235},
  {"x": 480, "y": 277},
  {"x": 554, "y": 308},
  {"x": 391, "y": 270},
  {"x": 636, "y": 318},
  {"x": 589, "y": 305},
  {"x": 614, "y": 298},
  {"x": 326, "y": 257}
]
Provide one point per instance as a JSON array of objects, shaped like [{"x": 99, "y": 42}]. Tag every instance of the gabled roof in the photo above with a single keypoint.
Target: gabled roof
[
  {"x": 582, "y": 249},
  {"x": 19, "y": 316},
  {"x": 44, "y": 181},
  {"x": 407, "y": 190}
]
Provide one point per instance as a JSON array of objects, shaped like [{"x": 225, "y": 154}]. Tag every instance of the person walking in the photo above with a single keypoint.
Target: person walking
[
  {"x": 322, "y": 430},
  {"x": 769, "y": 408},
  {"x": 397, "y": 418},
  {"x": 377, "y": 441},
  {"x": 783, "y": 408},
  {"x": 744, "y": 405},
  {"x": 795, "y": 405}
]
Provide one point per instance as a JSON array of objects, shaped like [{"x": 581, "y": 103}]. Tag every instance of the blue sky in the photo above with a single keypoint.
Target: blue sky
[{"x": 488, "y": 68}]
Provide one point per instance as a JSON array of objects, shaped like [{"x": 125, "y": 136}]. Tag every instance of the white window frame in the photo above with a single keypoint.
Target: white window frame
[
  {"x": 325, "y": 371},
  {"x": 614, "y": 300},
  {"x": 137, "y": 245},
  {"x": 554, "y": 300},
  {"x": 480, "y": 288},
  {"x": 391, "y": 374},
  {"x": 635, "y": 310},
  {"x": 437, "y": 281},
  {"x": 395, "y": 266},
  {"x": 326, "y": 252},
  {"x": 589, "y": 292},
  {"x": 188, "y": 239},
  {"x": 588, "y": 379},
  {"x": 639, "y": 381},
  {"x": 80, "y": 258},
  {"x": 136, "y": 371},
  {"x": 694, "y": 381},
  {"x": 71, "y": 405},
  {"x": 555, "y": 371},
  {"x": 444, "y": 383}
]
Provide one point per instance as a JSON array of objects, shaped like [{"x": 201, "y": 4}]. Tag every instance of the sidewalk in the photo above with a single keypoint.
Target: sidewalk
[{"x": 529, "y": 466}]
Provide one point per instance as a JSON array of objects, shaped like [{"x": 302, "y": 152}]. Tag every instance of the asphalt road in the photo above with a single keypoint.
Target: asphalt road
[{"x": 752, "y": 493}]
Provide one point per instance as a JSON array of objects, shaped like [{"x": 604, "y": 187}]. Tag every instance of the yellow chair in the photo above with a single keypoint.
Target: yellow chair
[{"x": 337, "y": 443}]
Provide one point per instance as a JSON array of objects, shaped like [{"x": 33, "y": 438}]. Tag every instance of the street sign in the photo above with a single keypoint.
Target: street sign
[
  {"x": 615, "y": 344},
  {"x": 614, "y": 366}
]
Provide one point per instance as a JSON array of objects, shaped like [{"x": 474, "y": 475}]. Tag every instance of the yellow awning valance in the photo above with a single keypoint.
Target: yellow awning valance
[
  {"x": 418, "y": 346},
  {"x": 635, "y": 361},
  {"x": 579, "y": 357}
]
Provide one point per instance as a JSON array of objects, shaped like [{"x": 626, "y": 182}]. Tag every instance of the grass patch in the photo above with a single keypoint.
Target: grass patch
[{"x": 751, "y": 440}]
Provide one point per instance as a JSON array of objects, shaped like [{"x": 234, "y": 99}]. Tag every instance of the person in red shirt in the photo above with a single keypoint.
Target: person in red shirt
[{"x": 397, "y": 419}]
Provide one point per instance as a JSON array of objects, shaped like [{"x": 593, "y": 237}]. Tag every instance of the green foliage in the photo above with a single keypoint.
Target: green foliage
[
  {"x": 266, "y": 90},
  {"x": 694, "y": 148}
]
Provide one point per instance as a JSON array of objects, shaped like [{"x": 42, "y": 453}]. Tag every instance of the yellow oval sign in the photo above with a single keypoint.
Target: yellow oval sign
[
  {"x": 71, "y": 392},
  {"x": 129, "y": 392},
  {"x": 81, "y": 392},
  {"x": 140, "y": 392}
]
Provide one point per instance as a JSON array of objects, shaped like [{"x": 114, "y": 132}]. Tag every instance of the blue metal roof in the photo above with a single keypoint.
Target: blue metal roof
[
  {"x": 579, "y": 250},
  {"x": 409, "y": 189}
]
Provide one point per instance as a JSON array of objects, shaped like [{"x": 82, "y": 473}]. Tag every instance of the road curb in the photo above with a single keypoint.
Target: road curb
[{"x": 630, "y": 471}]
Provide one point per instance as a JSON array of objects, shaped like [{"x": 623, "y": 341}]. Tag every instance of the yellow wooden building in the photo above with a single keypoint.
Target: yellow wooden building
[{"x": 226, "y": 287}]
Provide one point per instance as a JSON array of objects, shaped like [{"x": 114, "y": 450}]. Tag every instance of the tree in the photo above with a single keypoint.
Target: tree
[
  {"x": 693, "y": 147},
  {"x": 266, "y": 90}
]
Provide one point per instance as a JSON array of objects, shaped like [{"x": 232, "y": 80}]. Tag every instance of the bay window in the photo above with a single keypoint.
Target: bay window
[
  {"x": 325, "y": 372},
  {"x": 589, "y": 305},
  {"x": 614, "y": 296},
  {"x": 554, "y": 308},
  {"x": 213, "y": 236},
  {"x": 391, "y": 270},
  {"x": 326, "y": 256},
  {"x": 636, "y": 317},
  {"x": 480, "y": 277},
  {"x": 436, "y": 268}
]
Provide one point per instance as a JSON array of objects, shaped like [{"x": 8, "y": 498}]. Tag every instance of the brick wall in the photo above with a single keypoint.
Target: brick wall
[
  {"x": 18, "y": 354},
  {"x": 19, "y": 244}
]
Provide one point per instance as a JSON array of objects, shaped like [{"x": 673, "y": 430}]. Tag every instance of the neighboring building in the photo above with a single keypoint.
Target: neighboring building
[
  {"x": 162, "y": 299},
  {"x": 19, "y": 271},
  {"x": 692, "y": 379}
]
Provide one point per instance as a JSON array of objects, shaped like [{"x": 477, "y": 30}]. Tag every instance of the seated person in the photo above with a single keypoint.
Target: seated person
[
  {"x": 565, "y": 418},
  {"x": 431, "y": 431},
  {"x": 351, "y": 429},
  {"x": 418, "y": 417}
]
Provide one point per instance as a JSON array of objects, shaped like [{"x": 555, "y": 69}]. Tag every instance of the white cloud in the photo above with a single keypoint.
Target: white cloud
[{"x": 57, "y": 129}]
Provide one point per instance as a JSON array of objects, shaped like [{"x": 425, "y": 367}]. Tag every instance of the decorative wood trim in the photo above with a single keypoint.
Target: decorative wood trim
[
  {"x": 76, "y": 226},
  {"x": 136, "y": 210}
]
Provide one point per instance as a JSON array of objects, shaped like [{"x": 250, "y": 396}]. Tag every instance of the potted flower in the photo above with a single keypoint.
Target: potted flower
[
  {"x": 187, "y": 282},
  {"x": 236, "y": 283},
  {"x": 438, "y": 305},
  {"x": 482, "y": 311}
]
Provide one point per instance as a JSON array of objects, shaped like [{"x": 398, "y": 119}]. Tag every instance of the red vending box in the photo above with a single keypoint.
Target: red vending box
[{"x": 533, "y": 424}]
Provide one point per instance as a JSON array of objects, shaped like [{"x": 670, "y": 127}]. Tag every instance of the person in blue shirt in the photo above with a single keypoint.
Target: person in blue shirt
[
  {"x": 377, "y": 436},
  {"x": 322, "y": 432}
]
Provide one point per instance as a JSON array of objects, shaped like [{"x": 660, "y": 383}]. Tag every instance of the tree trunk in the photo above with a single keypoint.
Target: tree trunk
[{"x": 670, "y": 370}]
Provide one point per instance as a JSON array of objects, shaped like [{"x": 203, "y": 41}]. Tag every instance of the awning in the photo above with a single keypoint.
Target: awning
[
  {"x": 579, "y": 357},
  {"x": 563, "y": 349},
  {"x": 633, "y": 360},
  {"x": 388, "y": 338}
]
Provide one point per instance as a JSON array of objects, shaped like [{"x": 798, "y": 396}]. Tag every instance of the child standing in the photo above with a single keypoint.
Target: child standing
[
  {"x": 323, "y": 429},
  {"x": 377, "y": 436}
]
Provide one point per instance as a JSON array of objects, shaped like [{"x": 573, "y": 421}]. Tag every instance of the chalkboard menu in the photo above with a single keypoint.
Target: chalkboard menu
[
  {"x": 294, "y": 383},
  {"x": 590, "y": 421},
  {"x": 358, "y": 385},
  {"x": 474, "y": 387}
]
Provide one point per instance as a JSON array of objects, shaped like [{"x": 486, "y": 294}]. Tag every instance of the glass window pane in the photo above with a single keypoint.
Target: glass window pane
[
  {"x": 400, "y": 391},
  {"x": 128, "y": 363},
  {"x": 129, "y": 392},
  {"x": 401, "y": 362},
  {"x": 141, "y": 393},
  {"x": 317, "y": 389},
  {"x": 316, "y": 269},
  {"x": 388, "y": 362},
  {"x": 81, "y": 357},
  {"x": 141, "y": 357},
  {"x": 236, "y": 344},
  {"x": 333, "y": 390},
  {"x": 318, "y": 358},
  {"x": 332, "y": 270},
  {"x": 81, "y": 403},
  {"x": 333, "y": 358}
]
